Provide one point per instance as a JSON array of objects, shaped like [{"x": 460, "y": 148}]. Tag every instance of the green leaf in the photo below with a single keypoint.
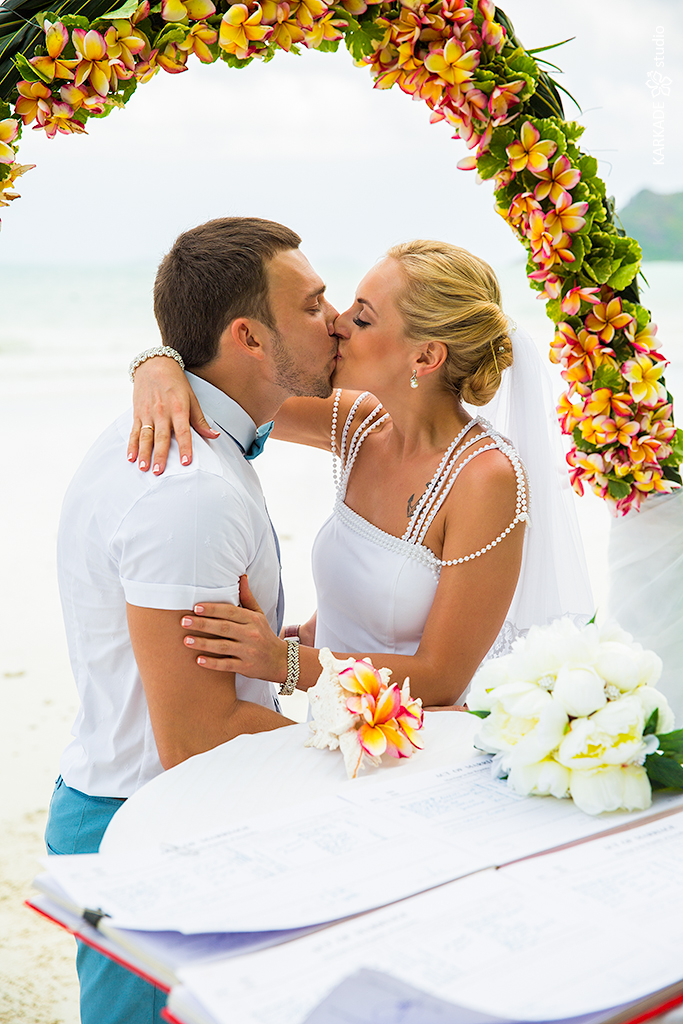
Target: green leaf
[
  {"x": 479, "y": 714},
  {"x": 519, "y": 62},
  {"x": 487, "y": 165},
  {"x": 74, "y": 21},
  {"x": 500, "y": 138},
  {"x": 664, "y": 770},
  {"x": 553, "y": 310},
  {"x": 678, "y": 446},
  {"x": 651, "y": 724},
  {"x": 234, "y": 62},
  {"x": 629, "y": 255},
  {"x": 671, "y": 743},
  {"x": 172, "y": 33},
  {"x": 552, "y": 46},
  {"x": 588, "y": 166},
  {"x": 618, "y": 488},
  {"x": 581, "y": 443},
  {"x": 27, "y": 70},
  {"x": 360, "y": 37},
  {"x": 607, "y": 376},
  {"x": 600, "y": 258},
  {"x": 125, "y": 11}
]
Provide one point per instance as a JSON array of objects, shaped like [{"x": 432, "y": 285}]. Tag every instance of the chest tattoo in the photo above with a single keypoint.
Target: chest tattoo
[{"x": 413, "y": 503}]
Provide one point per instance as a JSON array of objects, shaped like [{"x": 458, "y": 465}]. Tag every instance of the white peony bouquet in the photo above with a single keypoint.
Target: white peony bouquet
[
  {"x": 573, "y": 711},
  {"x": 357, "y": 709}
]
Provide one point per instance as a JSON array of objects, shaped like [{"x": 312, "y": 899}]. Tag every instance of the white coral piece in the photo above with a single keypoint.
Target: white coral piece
[{"x": 333, "y": 725}]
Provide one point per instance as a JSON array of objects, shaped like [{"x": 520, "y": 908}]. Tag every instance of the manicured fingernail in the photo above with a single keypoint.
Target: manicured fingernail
[
  {"x": 143, "y": 465},
  {"x": 157, "y": 468},
  {"x": 189, "y": 640},
  {"x": 131, "y": 457},
  {"x": 186, "y": 621},
  {"x": 185, "y": 459},
  {"x": 199, "y": 609},
  {"x": 201, "y": 661}
]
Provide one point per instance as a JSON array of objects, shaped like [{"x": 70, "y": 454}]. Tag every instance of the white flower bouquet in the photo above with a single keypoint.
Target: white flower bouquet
[
  {"x": 358, "y": 710},
  {"x": 574, "y": 712}
]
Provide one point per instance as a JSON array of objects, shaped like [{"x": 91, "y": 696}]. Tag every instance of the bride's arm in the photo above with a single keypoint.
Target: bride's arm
[
  {"x": 164, "y": 400},
  {"x": 470, "y": 605}
]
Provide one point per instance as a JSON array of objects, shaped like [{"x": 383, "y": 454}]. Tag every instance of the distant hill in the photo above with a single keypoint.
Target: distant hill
[{"x": 656, "y": 221}]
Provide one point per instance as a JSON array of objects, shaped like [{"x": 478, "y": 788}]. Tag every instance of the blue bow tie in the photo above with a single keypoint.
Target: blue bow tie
[{"x": 256, "y": 446}]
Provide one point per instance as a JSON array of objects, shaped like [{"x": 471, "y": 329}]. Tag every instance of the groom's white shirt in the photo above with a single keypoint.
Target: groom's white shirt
[{"x": 162, "y": 542}]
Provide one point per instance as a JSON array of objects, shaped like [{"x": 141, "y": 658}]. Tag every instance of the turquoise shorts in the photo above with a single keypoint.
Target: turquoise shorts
[{"x": 109, "y": 993}]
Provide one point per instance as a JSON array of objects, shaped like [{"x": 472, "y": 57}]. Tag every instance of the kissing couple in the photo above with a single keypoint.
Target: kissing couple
[{"x": 170, "y": 580}]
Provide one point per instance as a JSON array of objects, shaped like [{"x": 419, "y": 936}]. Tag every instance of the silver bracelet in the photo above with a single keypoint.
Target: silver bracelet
[
  {"x": 289, "y": 686},
  {"x": 160, "y": 350}
]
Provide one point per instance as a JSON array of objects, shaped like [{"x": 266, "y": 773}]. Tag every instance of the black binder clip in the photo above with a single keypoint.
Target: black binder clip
[{"x": 94, "y": 917}]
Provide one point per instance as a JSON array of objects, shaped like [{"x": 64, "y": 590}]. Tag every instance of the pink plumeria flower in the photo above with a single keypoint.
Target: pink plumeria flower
[
  {"x": 571, "y": 303},
  {"x": 530, "y": 151},
  {"x": 556, "y": 180}
]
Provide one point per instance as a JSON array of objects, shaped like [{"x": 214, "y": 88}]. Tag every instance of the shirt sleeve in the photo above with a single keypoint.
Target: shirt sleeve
[{"x": 187, "y": 539}]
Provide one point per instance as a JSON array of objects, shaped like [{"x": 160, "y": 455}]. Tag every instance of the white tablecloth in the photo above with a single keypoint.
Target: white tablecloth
[{"x": 267, "y": 771}]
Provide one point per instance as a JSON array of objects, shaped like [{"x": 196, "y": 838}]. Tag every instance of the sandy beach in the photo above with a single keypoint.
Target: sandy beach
[{"x": 59, "y": 387}]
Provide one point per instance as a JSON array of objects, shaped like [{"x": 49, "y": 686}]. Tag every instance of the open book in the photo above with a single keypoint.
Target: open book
[{"x": 272, "y": 879}]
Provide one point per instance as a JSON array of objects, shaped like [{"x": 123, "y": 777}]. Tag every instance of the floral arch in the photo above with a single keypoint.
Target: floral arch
[{"x": 60, "y": 67}]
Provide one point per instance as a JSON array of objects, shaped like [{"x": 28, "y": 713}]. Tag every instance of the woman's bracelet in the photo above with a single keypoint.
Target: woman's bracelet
[
  {"x": 289, "y": 686},
  {"x": 160, "y": 350}
]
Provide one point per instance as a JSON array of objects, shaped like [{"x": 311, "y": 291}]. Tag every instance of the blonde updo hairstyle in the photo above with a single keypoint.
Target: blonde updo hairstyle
[{"x": 453, "y": 297}]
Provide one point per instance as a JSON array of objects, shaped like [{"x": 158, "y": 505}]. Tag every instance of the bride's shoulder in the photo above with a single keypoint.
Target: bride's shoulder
[{"x": 353, "y": 408}]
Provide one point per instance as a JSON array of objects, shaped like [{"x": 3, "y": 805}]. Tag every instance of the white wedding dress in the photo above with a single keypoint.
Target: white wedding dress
[{"x": 375, "y": 591}]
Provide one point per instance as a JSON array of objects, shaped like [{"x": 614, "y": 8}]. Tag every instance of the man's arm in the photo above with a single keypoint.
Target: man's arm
[{"x": 191, "y": 710}]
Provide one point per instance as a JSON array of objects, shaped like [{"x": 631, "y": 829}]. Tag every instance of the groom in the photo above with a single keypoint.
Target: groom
[{"x": 244, "y": 308}]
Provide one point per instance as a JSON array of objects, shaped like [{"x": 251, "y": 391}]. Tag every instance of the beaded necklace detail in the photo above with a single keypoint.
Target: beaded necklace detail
[{"x": 435, "y": 493}]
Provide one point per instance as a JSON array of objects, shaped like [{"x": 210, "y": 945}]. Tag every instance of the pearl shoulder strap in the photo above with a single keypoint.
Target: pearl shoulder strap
[{"x": 437, "y": 489}]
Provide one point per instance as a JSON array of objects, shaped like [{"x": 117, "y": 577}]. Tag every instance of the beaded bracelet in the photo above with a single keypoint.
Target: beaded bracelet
[
  {"x": 160, "y": 350},
  {"x": 289, "y": 686}
]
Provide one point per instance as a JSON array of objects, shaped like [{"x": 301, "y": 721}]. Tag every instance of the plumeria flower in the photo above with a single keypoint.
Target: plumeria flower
[
  {"x": 378, "y": 733},
  {"x": 198, "y": 40},
  {"x": 520, "y": 209},
  {"x": 60, "y": 119},
  {"x": 124, "y": 43},
  {"x": 548, "y": 248},
  {"x": 180, "y": 10},
  {"x": 326, "y": 28},
  {"x": 34, "y": 99},
  {"x": 9, "y": 129},
  {"x": 79, "y": 96},
  {"x": 308, "y": 11},
  {"x": 502, "y": 99},
  {"x": 172, "y": 59},
  {"x": 568, "y": 413},
  {"x": 555, "y": 180},
  {"x": 453, "y": 64},
  {"x": 240, "y": 30},
  {"x": 566, "y": 216},
  {"x": 607, "y": 317},
  {"x": 644, "y": 341},
  {"x": 644, "y": 380},
  {"x": 7, "y": 190},
  {"x": 52, "y": 66},
  {"x": 530, "y": 150},
  {"x": 644, "y": 449},
  {"x": 94, "y": 64},
  {"x": 571, "y": 303}
]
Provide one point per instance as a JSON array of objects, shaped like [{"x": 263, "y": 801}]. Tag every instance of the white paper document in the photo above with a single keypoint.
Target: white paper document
[
  {"x": 309, "y": 864},
  {"x": 571, "y": 933}
]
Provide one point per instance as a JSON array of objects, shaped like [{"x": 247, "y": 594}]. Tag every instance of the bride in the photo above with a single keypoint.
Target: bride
[{"x": 419, "y": 564}]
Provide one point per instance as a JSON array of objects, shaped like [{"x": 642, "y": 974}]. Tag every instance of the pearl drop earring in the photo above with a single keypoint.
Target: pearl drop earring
[{"x": 413, "y": 379}]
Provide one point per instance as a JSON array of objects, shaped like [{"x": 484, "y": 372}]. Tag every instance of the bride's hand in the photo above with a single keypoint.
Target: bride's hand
[
  {"x": 164, "y": 401},
  {"x": 244, "y": 642}
]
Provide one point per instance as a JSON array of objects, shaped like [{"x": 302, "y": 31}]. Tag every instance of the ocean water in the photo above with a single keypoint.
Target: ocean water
[{"x": 65, "y": 344}]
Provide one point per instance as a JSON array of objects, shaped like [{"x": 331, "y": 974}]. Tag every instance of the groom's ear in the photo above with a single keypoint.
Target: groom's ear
[{"x": 247, "y": 335}]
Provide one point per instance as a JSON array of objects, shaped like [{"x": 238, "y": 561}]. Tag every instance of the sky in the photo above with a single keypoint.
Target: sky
[{"x": 307, "y": 141}]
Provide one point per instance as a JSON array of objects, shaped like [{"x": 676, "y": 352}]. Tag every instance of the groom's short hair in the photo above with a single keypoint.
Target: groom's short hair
[{"x": 213, "y": 274}]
